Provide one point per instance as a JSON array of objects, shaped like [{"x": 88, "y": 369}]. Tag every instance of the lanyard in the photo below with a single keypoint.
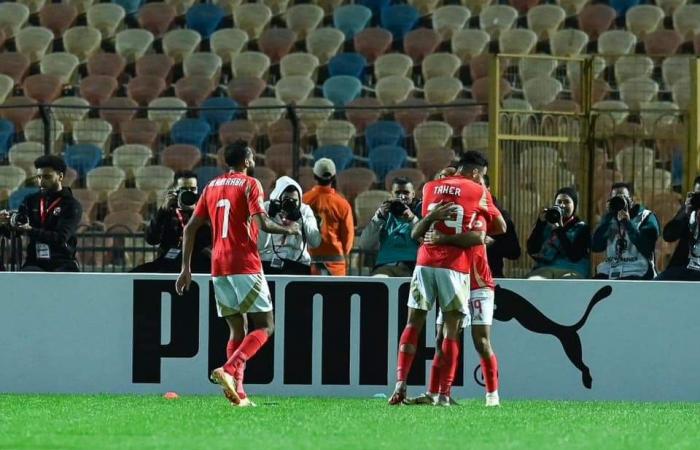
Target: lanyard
[
  {"x": 43, "y": 211},
  {"x": 181, "y": 218}
]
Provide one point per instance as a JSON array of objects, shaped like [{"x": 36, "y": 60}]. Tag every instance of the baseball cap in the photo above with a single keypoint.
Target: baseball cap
[{"x": 324, "y": 168}]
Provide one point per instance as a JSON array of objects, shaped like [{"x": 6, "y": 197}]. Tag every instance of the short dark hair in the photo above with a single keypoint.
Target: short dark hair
[
  {"x": 51, "y": 162},
  {"x": 623, "y": 184},
  {"x": 324, "y": 181},
  {"x": 184, "y": 174},
  {"x": 401, "y": 181},
  {"x": 235, "y": 154},
  {"x": 697, "y": 180},
  {"x": 473, "y": 159},
  {"x": 487, "y": 180}
]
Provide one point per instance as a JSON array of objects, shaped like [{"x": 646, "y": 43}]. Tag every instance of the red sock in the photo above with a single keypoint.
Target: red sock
[
  {"x": 448, "y": 368},
  {"x": 489, "y": 368},
  {"x": 405, "y": 359},
  {"x": 248, "y": 348},
  {"x": 231, "y": 347},
  {"x": 434, "y": 386}
]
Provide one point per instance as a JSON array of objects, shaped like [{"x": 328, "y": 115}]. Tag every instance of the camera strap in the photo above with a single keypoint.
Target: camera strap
[
  {"x": 181, "y": 218},
  {"x": 44, "y": 211}
]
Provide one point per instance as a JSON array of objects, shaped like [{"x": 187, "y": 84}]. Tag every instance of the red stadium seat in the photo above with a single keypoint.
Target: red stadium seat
[
  {"x": 108, "y": 64},
  {"x": 156, "y": 18},
  {"x": 276, "y": 43},
  {"x": 97, "y": 88},
  {"x": 594, "y": 19},
  {"x": 126, "y": 110},
  {"x": 57, "y": 17},
  {"x": 420, "y": 43},
  {"x": 362, "y": 118},
  {"x": 230, "y": 132},
  {"x": 145, "y": 88},
  {"x": 42, "y": 88},
  {"x": 245, "y": 90},
  {"x": 372, "y": 43},
  {"x": 14, "y": 65},
  {"x": 156, "y": 65}
]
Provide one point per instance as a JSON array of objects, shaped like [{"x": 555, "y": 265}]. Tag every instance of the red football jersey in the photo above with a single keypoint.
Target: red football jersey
[
  {"x": 471, "y": 200},
  {"x": 481, "y": 276},
  {"x": 230, "y": 202}
]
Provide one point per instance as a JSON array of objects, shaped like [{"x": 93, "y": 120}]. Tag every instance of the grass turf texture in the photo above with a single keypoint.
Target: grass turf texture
[{"x": 144, "y": 422}]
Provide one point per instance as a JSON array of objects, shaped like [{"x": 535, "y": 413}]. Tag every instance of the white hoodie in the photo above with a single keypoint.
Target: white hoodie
[{"x": 290, "y": 247}]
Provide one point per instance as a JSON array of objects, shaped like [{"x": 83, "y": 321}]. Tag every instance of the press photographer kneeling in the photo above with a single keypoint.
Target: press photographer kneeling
[
  {"x": 288, "y": 255},
  {"x": 559, "y": 243},
  {"x": 50, "y": 219}
]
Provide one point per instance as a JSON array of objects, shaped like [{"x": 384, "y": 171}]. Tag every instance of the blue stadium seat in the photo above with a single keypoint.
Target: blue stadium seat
[
  {"x": 385, "y": 158},
  {"x": 216, "y": 117},
  {"x": 207, "y": 173},
  {"x": 399, "y": 20},
  {"x": 351, "y": 64},
  {"x": 204, "y": 18},
  {"x": 384, "y": 132},
  {"x": 130, "y": 6},
  {"x": 342, "y": 89},
  {"x": 192, "y": 132},
  {"x": 351, "y": 19},
  {"x": 621, "y": 6},
  {"x": 19, "y": 195},
  {"x": 375, "y": 6},
  {"x": 83, "y": 158},
  {"x": 341, "y": 155},
  {"x": 7, "y": 132}
]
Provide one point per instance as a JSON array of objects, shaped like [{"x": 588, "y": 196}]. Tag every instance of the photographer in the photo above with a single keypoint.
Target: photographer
[
  {"x": 559, "y": 243},
  {"x": 628, "y": 234},
  {"x": 685, "y": 262},
  {"x": 282, "y": 254},
  {"x": 50, "y": 218},
  {"x": 389, "y": 231},
  {"x": 166, "y": 227}
]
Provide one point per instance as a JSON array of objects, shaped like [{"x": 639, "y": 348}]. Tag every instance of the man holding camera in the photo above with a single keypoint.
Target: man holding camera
[
  {"x": 389, "y": 231},
  {"x": 559, "y": 243},
  {"x": 50, "y": 218},
  {"x": 627, "y": 234},
  {"x": 282, "y": 254},
  {"x": 166, "y": 227},
  {"x": 685, "y": 262}
]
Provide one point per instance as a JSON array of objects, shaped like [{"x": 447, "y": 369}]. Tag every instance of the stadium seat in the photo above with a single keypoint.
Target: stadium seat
[
  {"x": 674, "y": 69},
  {"x": 250, "y": 64},
  {"x": 534, "y": 67},
  {"x": 57, "y": 17},
  {"x": 420, "y": 43},
  {"x": 460, "y": 116},
  {"x": 494, "y": 19},
  {"x": 153, "y": 180},
  {"x": 384, "y": 132},
  {"x": 375, "y": 6},
  {"x": 143, "y": 89},
  {"x": 302, "y": 19},
  {"x": 568, "y": 42},
  {"x": 140, "y": 131},
  {"x": 280, "y": 159},
  {"x": 636, "y": 91},
  {"x": 156, "y": 65},
  {"x": 615, "y": 43},
  {"x": 336, "y": 132},
  {"x": 178, "y": 44},
  {"x": 385, "y": 158},
  {"x": 42, "y": 88},
  {"x": 644, "y": 19},
  {"x": 7, "y": 84},
  {"x": 544, "y": 20},
  {"x": 126, "y": 199},
  {"x": 13, "y": 16},
  {"x": 424, "y": 7},
  {"x": 366, "y": 205},
  {"x": 83, "y": 158},
  {"x": 228, "y": 42},
  {"x": 204, "y": 18},
  {"x": 104, "y": 180},
  {"x": 328, "y": 5},
  {"x": 219, "y": 110},
  {"x": 631, "y": 160},
  {"x": 681, "y": 93},
  {"x": 123, "y": 222},
  {"x": 481, "y": 87},
  {"x": 314, "y": 112},
  {"x": 277, "y": 7},
  {"x": 342, "y": 89},
  {"x": 341, "y": 155},
  {"x": 246, "y": 89},
  {"x": 443, "y": 90},
  {"x": 207, "y": 173},
  {"x": 541, "y": 91},
  {"x": 609, "y": 115},
  {"x": 662, "y": 43},
  {"x": 399, "y": 19},
  {"x": 599, "y": 91},
  {"x": 105, "y": 17},
  {"x": 203, "y": 64},
  {"x": 129, "y": 157},
  {"x": 523, "y": 6},
  {"x": 449, "y": 20},
  {"x": 23, "y": 154},
  {"x": 440, "y": 65},
  {"x": 294, "y": 89},
  {"x": 14, "y": 65},
  {"x": 130, "y": 6},
  {"x": 282, "y": 132},
  {"x": 252, "y": 18},
  {"x": 230, "y": 132},
  {"x": 68, "y": 110},
  {"x": 573, "y": 70},
  {"x": 267, "y": 178},
  {"x": 393, "y": 89},
  {"x": 372, "y": 43},
  {"x": 18, "y": 196},
  {"x": 133, "y": 43},
  {"x": 466, "y": 44},
  {"x": 157, "y": 18},
  {"x": 412, "y": 114},
  {"x": 324, "y": 43},
  {"x": 349, "y": 64},
  {"x": 97, "y": 88},
  {"x": 686, "y": 20},
  {"x": 194, "y": 90},
  {"x": 11, "y": 178},
  {"x": 19, "y": 110},
  {"x": 33, "y": 42},
  {"x": 632, "y": 66},
  {"x": 594, "y": 19},
  {"x": 95, "y": 132},
  {"x": 415, "y": 176},
  {"x": 517, "y": 41},
  {"x": 302, "y": 64},
  {"x": 276, "y": 43},
  {"x": 34, "y": 132},
  {"x": 351, "y": 19},
  {"x": 354, "y": 181},
  {"x": 193, "y": 132},
  {"x": 82, "y": 41},
  {"x": 572, "y": 7},
  {"x": 109, "y": 64},
  {"x": 181, "y": 6},
  {"x": 622, "y": 6},
  {"x": 516, "y": 104},
  {"x": 393, "y": 64},
  {"x": 656, "y": 115},
  {"x": 180, "y": 157},
  {"x": 475, "y": 136},
  {"x": 669, "y": 6},
  {"x": 166, "y": 111},
  {"x": 367, "y": 113},
  {"x": 61, "y": 65},
  {"x": 262, "y": 112},
  {"x": 430, "y": 135}
]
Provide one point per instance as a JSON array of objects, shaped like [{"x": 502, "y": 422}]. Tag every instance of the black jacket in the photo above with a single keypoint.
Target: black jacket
[
  {"x": 58, "y": 231},
  {"x": 165, "y": 230},
  {"x": 505, "y": 245},
  {"x": 678, "y": 229}
]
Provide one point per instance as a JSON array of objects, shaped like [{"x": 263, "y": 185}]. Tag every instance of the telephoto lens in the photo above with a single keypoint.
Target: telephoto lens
[
  {"x": 397, "y": 207},
  {"x": 617, "y": 204},
  {"x": 553, "y": 215},
  {"x": 695, "y": 201},
  {"x": 186, "y": 199}
]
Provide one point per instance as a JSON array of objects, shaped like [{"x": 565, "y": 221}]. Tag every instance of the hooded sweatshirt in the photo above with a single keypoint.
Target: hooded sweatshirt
[{"x": 294, "y": 248}]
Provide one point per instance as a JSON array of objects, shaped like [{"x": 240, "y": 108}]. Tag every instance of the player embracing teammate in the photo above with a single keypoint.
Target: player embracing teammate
[
  {"x": 457, "y": 212},
  {"x": 233, "y": 204}
]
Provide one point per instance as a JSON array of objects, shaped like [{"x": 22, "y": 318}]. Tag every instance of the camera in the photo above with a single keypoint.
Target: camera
[
  {"x": 694, "y": 198},
  {"x": 17, "y": 219},
  {"x": 397, "y": 208},
  {"x": 617, "y": 204},
  {"x": 286, "y": 205},
  {"x": 554, "y": 214},
  {"x": 186, "y": 198}
]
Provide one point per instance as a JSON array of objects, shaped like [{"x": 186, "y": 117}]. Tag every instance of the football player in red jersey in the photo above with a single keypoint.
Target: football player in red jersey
[
  {"x": 450, "y": 206},
  {"x": 233, "y": 204}
]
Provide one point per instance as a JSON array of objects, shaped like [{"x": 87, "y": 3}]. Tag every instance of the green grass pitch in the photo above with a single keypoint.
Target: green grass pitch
[{"x": 208, "y": 422}]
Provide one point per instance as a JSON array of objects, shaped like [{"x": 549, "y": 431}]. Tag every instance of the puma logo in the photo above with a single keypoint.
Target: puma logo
[{"x": 510, "y": 305}]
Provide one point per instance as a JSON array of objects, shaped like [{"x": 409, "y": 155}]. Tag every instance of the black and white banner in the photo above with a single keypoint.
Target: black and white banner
[{"x": 122, "y": 333}]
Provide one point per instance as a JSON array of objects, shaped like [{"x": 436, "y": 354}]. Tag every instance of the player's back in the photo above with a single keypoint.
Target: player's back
[
  {"x": 470, "y": 199},
  {"x": 230, "y": 201}
]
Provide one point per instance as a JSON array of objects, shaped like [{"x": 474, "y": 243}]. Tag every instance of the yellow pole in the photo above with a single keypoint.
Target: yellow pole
[
  {"x": 692, "y": 164},
  {"x": 494, "y": 123}
]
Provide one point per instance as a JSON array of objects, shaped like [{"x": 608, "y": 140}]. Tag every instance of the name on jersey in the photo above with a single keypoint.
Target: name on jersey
[
  {"x": 445, "y": 189},
  {"x": 227, "y": 182}
]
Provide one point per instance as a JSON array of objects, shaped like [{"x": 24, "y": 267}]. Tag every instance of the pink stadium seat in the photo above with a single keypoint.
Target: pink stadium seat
[
  {"x": 280, "y": 159},
  {"x": 354, "y": 181},
  {"x": 140, "y": 131},
  {"x": 97, "y": 88},
  {"x": 156, "y": 17},
  {"x": 306, "y": 178},
  {"x": 433, "y": 161},
  {"x": 461, "y": 116},
  {"x": 362, "y": 118},
  {"x": 594, "y": 19},
  {"x": 3, "y": 37},
  {"x": 246, "y": 89},
  {"x": 180, "y": 157},
  {"x": 662, "y": 42},
  {"x": 479, "y": 66},
  {"x": 14, "y": 65},
  {"x": 18, "y": 115},
  {"x": 277, "y": 43},
  {"x": 42, "y": 88},
  {"x": 194, "y": 90},
  {"x": 267, "y": 178},
  {"x": 420, "y": 43},
  {"x": 115, "y": 117},
  {"x": 156, "y": 65},
  {"x": 372, "y": 43},
  {"x": 281, "y": 132},
  {"x": 109, "y": 64},
  {"x": 123, "y": 222},
  {"x": 57, "y": 17},
  {"x": 523, "y": 6},
  {"x": 480, "y": 89},
  {"x": 145, "y": 88},
  {"x": 410, "y": 118},
  {"x": 69, "y": 177},
  {"x": 599, "y": 92},
  {"x": 230, "y": 132}
]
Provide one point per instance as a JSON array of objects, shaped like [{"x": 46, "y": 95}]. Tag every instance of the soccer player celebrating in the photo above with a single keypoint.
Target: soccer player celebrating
[
  {"x": 233, "y": 204},
  {"x": 450, "y": 206}
]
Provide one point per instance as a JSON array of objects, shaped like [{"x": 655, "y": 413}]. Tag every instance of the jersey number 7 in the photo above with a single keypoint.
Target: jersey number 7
[{"x": 226, "y": 204}]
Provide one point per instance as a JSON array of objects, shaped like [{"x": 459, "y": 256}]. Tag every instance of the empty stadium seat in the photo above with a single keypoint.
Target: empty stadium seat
[
  {"x": 434, "y": 160},
  {"x": 104, "y": 180},
  {"x": 6, "y": 86},
  {"x": 218, "y": 110},
  {"x": 24, "y": 154},
  {"x": 194, "y": 89},
  {"x": 262, "y": 112},
  {"x": 42, "y": 88},
  {"x": 443, "y": 90},
  {"x": 252, "y": 18},
  {"x": 97, "y": 88},
  {"x": 82, "y": 41},
  {"x": 568, "y": 42},
  {"x": 267, "y": 178},
  {"x": 181, "y": 6},
  {"x": 466, "y": 44},
  {"x": 156, "y": 17},
  {"x": 399, "y": 19},
  {"x": 302, "y": 19},
  {"x": 276, "y": 43},
  {"x": 412, "y": 113},
  {"x": 61, "y": 65},
  {"x": 420, "y": 43},
  {"x": 156, "y": 65},
  {"x": 372, "y": 43},
  {"x": 105, "y": 17},
  {"x": 95, "y": 132},
  {"x": 354, "y": 181},
  {"x": 342, "y": 89},
  {"x": 228, "y": 42},
  {"x": 143, "y": 89},
  {"x": 34, "y": 132},
  {"x": 384, "y": 132},
  {"x": 644, "y": 19},
  {"x": 314, "y": 112},
  {"x": 140, "y": 131},
  {"x": 541, "y": 91},
  {"x": 14, "y": 65},
  {"x": 475, "y": 136},
  {"x": 57, "y": 17},
  {"x": 178, "y": 44},
  {"x": 351, "y": 19},
  {"x": 13, "y": 16},
  {"x": 180, "y": 157},
  {"x": 69, "y": 109},
  {"x": 203, "y": 64},
  {"x": 230, "y": 132},
  {"x": 129, "y": 157},
  {"x": 366, "y": 205},
  {"x": 385, "y": 158},
  {"x": 83, "y": 157},
  {"x": 450, "y": 19},
  {"x": 166, "y": 111},
  {"x": 632, "y": 66},
  {"x": 440, "y": 65},
  {"x": 294, "y": 89},
  {"x": 33, "y": 42},
  {"x": 662, "y": 42},
  {"x": 545, "y": 20},
  {"x": 341, "y": 155},
  {"x": 324, "y": 43},
  {"x": 393, "y": 89},
  {"x": 431, "y": 134},
  {"x": 674, "y": 69},
  {"x": 595, "y": 19},
  {"x": 246, "y": 89},
  {"x": 494, "y": 19},
  {"x": 534, "y": 67},
  {"x": 189, "y": 131},
  {"x": 11, "y": 178},
  {"x": 517, "y": 41},
  {"x": 350, "y": 64},
  {"x": 280, "y": 159},
  {"x": 250, "y": 64},
  {"x": 686, "y": 20},
  {"x": 415, "y": 176},
  {"x": 126, "y": 199},
  {"x": 636, "y": 91},
  {"x": 282, "y": 132},
  {"x": 616, "y": 43},
  {"x": 204, "y": 18},
  {"x": 154, "y": 180},
  {"x": 18, "y": 196},
  {"x": 336, "y": 132}
]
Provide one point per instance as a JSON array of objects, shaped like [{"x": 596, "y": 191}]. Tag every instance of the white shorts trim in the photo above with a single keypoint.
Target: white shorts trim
[
  {"x": 481, "y": 304},
  {"x": 240, "y": 294},
  {"x": 449, "y": 287}
]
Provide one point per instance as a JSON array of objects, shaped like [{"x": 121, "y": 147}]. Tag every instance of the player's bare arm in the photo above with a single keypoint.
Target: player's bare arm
[
  {"x": 268, "y": 226},
  {"x": 188, "y": 237},
  {"x": 464, "y": 240},
  {"x": 498, "y": 226},
  {"x": 443, "y": 211}
]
